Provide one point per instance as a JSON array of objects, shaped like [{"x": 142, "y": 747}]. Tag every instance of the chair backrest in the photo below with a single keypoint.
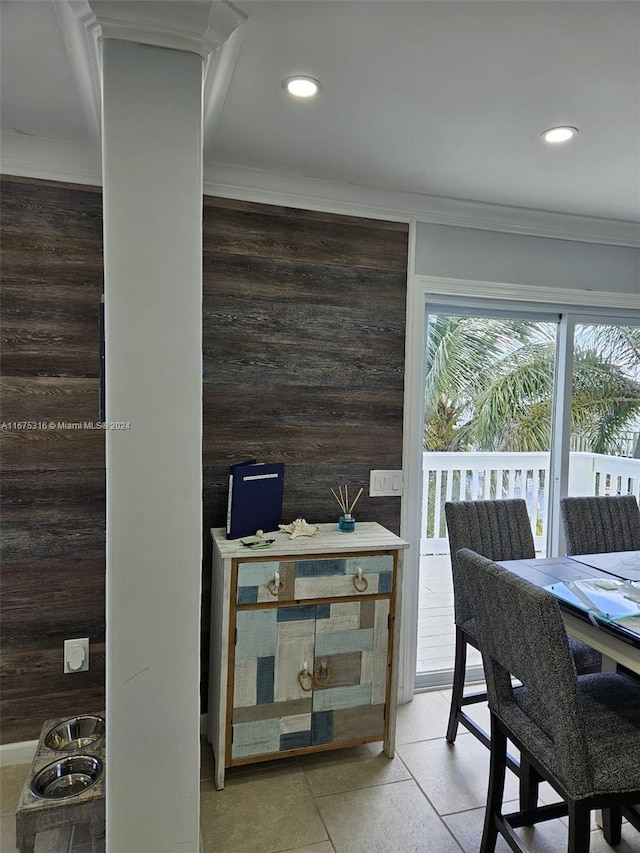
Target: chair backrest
[
  {"x": 499, "y": 530},
  {"x": 522, "y": 634},
  {"x": 599, "y": 525}
]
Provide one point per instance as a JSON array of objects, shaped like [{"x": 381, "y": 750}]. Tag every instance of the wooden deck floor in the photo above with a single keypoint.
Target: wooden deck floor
[{"x": 435, "y": 617}]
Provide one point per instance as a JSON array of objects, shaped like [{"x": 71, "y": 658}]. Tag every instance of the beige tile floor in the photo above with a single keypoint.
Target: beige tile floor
[{"x": 428, "y": 799}]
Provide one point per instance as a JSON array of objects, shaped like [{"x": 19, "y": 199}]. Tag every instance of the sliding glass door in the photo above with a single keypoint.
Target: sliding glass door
[
  {"x": 517, "y": 404},
  {"x": 489, "y": 379}
]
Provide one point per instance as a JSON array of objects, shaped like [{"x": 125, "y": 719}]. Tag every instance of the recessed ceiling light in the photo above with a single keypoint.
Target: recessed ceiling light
[
  {"x": 301, "y": 87},
  {"x": 559, "y": 134}
]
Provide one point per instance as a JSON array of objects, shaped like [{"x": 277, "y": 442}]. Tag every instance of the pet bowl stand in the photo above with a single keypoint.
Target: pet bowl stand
[{"x": 36, "y": 814}]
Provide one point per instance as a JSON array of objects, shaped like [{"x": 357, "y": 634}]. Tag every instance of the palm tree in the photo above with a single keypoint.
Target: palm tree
[
  {"x": 460, "y": 353},
  {"x": 490, "y": 385}
]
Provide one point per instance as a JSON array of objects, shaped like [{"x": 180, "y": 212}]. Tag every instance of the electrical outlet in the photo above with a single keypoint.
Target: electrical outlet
[
  {"x": 385, "y": 483},
  {"x": 76, "y": 655}
]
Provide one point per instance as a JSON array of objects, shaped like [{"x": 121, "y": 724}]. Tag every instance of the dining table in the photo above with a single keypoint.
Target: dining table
[{"x": 618, "y": 639}]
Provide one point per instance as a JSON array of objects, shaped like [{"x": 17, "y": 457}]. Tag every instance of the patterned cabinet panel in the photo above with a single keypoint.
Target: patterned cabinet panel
[
  {"x": 351, "y": 662},
  {"x": 280, "y": 706},
  {"x": 271, "y": 710},
  {"x": 297, "y": 580}
]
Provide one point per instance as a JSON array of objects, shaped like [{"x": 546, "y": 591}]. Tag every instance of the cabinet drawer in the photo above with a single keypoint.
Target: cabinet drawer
[{"x": 298, "y": 580}]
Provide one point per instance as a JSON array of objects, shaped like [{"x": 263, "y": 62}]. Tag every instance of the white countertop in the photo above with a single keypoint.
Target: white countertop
[{"x": 368, "y": 536}]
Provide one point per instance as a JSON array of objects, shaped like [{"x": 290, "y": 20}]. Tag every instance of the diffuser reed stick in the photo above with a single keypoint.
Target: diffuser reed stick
[
  {"x": 355, "y": 500},
  {"x": 342, "y": 499},
  {"x": 339, "y": 500}
]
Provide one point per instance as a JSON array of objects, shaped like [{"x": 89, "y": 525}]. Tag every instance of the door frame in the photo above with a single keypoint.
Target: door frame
[{"x": 577, "y": 304}]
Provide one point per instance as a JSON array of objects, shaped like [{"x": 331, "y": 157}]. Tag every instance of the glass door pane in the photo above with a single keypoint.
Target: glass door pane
[
  {"x": 605, "y": 411},
  {"x": 487, "y": 435}
]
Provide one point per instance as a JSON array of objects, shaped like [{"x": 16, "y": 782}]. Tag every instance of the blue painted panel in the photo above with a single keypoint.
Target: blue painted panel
[
  {"x": 255, "y": 738},
  {"x": 320, "y": 568},
  {"x": 294, "y": 614},
  {"x": 256, "y": 633},
  {"x": 360, "y": 640},
  {"x": 384, "y": 581},
  {"x": 248, "y": 594},
  {"x": 323, "y": 611},
  {"x": 257, "y": 574},
  {"x": 264, "y": 680},
  {"x": 321, "y": 727},
  {"x": 295, "y": 740}
]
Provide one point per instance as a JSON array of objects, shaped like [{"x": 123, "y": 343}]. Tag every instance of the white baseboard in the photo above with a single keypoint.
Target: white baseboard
[
  {"x": 22, "y": 753},
  {"x": 17, "y": 753}
]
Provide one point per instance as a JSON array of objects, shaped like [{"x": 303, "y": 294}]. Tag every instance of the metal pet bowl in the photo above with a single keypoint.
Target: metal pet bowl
[
  {"x": 75, "y": 733},
  {"x": 66, "y": 778}
]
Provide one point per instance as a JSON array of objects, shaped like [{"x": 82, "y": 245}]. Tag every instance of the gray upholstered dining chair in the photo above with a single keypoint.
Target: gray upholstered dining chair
[
  {"x": 599, "y": 525},
  {"x": 499, "y": 530},
  {"x": 581, "y": 733}
]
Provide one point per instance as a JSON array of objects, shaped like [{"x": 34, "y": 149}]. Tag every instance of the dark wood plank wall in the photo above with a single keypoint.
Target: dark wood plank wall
[
  {"x": 53, "y": 480},
  {"x": 303, "y": 338},
  {"x": 304, "y": 329}
]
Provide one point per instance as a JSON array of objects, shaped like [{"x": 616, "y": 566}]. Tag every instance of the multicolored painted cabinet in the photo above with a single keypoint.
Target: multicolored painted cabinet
[{"x": 302, "y": 653}]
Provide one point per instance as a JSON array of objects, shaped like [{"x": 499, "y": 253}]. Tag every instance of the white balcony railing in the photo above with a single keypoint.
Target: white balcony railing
[{"x": 488, "y": 476}]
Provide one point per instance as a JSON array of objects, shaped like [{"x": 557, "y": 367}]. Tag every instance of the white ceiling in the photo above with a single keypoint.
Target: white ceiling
[{"x": 441, "y": 98}]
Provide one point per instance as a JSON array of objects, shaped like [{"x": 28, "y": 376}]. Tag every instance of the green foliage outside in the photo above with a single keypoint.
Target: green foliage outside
[{"x": 489, "y": 385}]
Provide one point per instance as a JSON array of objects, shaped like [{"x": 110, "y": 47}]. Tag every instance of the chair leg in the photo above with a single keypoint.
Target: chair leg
[
  {"x": 497, "y": 770},
  {"x": 458, "y": 685},
  {"x": 579, "y": 828},
  {"x": 529, "y": 784},
  {"x": 612, "y": 826}
]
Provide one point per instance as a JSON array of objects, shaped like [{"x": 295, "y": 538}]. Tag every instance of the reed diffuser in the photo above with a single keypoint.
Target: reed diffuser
[{"x": 346, "y": 522}]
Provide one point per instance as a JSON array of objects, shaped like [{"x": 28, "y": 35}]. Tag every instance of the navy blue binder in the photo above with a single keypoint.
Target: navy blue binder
[{"x": 255, "y": 498}]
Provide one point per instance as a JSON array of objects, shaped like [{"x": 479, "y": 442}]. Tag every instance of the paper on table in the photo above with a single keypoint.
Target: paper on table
[{"x": 608, "y": 599}]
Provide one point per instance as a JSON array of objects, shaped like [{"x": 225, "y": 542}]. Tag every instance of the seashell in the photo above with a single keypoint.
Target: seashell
[{"x": 300, "y": 527}]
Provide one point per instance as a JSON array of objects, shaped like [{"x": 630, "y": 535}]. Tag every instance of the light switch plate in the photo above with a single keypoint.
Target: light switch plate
[{"x": 385, "y": 484}]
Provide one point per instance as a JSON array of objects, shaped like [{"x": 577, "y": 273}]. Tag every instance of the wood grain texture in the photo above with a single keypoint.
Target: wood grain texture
[
  {"x": 52, "y": 585},
  {"x": 47, "y": 598},
  {"x": 49, "y": 398},
  {"x": 50, "y": 207},
  {"x": 51, "y": 329},
  {"x": 34, "y": 450},
  {"x": 291, "y": 234}
]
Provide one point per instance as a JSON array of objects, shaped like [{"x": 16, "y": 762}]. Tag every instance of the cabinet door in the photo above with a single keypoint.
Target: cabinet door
[
  {"x": 271, "y": 706},
  {"x": 342, "y": 646},
  {"x": 351, "y": 671}
]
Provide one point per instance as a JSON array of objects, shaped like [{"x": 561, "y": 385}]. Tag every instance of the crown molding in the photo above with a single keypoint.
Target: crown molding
[
  {"x": 196, "y": 26},
  {"x": 214, "y": 30},
  {"x": 574, "y": 298},
  {"x": 217, "y": 79},
  {"x": 58, "y": 160},
  {"x": 49, "y": 159},
  {"x": 317, "y": 194},
  {"x": 74, "y": 22}
]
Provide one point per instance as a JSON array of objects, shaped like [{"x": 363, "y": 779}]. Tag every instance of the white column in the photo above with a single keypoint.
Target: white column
[{"x": 152, "y": 179}]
